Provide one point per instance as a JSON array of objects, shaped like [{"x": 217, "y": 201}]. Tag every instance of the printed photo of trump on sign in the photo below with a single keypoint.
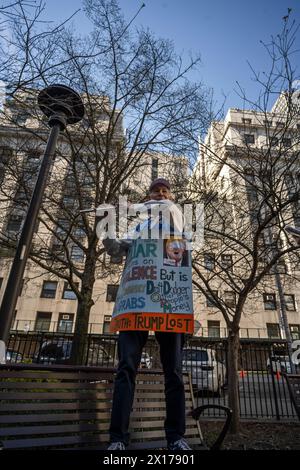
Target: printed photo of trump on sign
[{"x": 175, "y": 252}]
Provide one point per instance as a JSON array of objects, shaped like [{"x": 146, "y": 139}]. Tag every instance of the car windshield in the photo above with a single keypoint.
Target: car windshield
[
  {"x": 12, "y": 354},
  {"x": 98, "y": 352},
  {"x": 52, "y": 350},
  {"x": 199, "y": 355}
]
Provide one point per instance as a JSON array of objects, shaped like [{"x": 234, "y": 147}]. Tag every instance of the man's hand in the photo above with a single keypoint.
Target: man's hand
[{"x": 116, "y": 248}]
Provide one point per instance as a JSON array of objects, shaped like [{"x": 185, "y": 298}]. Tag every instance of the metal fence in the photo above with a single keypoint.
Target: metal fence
[
  {"x": 263, "y": 393},
  {"x": 67, "y": 326}
]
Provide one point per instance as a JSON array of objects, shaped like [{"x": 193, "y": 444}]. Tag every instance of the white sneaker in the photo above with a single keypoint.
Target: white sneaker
[
  {"x": 181, "y": 444},
  {"x": 116, "y": 446}
]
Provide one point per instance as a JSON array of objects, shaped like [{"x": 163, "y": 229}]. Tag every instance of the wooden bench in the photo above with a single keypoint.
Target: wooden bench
[
  {"x": 293, "y": 383},
  {"x": 64, "y": 407}
]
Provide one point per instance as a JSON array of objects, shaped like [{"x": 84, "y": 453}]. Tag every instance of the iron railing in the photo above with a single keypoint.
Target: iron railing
[
  {"x": 45, "y": 326},
  {"x": 262, "y": 390}
]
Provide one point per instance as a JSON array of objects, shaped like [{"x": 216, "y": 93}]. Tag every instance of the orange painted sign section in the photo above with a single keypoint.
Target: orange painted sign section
[{"x": 172, "y": 322}]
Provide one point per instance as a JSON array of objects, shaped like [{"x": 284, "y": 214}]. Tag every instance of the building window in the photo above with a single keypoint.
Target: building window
[
  {"x": 154, "y": 168},
  {"x": 22, "y": 117},
  {"x": 14, "y": 223},
  {"x": 252, "y": 194},
  {"x": 62, "y": 228},
  {"x": 106, "y": 324},
  {"x": 269, "y": 301},
  {"x": 57, "y": 249},
  {"x": 286, "y": 142},
  {"x": 1, "y": 282},
  {"x": 5, "y": 155},
  {"x": 246, "y": 121},
  {"x": 209, "y": 261},
  {"x": 267, "y": 122},
  {"x": 226, "y": 262},
  {"x": 273, "y": 141},
  {"x": 111, "y": 292},
  {"x": 68, "y": 293},
  {"x": 290, "y": 303},
  {"x": 281, "y": 266},
  {"x": 249, "y": 138},
  {"x": 43, "y": 321},
  {"x": 77, "y": 253},
  {"x": 213, "y": 328},
  {"x": 69, "y": 202},
  {"x": 32, "y": 165},
  {"x": 210, "y": 301},
  {"x": 49, "y": 289},
  {"x": 79, "y": 232},
  {"x": 230, "y": 299},
  {"x": 65, "y": 322},
  {"x": 273, "y": 330},
  {"x": 295, "y": 331}
]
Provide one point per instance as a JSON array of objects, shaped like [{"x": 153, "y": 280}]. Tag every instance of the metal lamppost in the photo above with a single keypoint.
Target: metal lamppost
[{"x": 62, "y": 106}]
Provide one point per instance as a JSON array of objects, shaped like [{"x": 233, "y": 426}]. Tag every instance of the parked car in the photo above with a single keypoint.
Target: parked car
[
  {"x": 279, "y": 364},
  {"x": 58, "y": 351},
  {"x": 206, "y": 372},
  {"x": 146, "y": 361},
  {"x": 13, "y": 356}
]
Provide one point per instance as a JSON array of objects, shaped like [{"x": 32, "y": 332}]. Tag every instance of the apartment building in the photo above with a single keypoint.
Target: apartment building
[{"x": 252, "y": 143}]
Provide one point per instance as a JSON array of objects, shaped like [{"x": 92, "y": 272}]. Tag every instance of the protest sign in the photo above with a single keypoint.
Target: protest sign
[{"x": 156, "y": 288}]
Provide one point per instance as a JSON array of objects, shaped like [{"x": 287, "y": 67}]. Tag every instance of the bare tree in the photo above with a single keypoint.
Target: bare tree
[
  {"x": 122, "y": 74},
  {"x": 250, "y": 192}
]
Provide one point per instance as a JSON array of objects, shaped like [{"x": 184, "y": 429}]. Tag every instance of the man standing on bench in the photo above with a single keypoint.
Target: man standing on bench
[{"x": 133, "y": 335}]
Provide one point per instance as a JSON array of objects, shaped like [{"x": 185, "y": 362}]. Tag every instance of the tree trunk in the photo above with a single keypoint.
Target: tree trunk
[
  {"x": 233, "y": 383},
  {"x": 81, "y": 328},
  {"x": 83, "y": 312}
]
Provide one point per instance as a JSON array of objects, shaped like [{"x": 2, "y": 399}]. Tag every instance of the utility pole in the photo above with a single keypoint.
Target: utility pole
[{"x": 283, "y": 320}]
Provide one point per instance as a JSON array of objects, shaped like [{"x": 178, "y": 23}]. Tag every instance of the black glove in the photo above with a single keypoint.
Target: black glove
[{"x": 116, "y": 247}]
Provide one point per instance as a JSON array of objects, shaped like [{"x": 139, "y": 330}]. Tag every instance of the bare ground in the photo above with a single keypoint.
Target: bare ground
[{"x": 257, "y": 436}]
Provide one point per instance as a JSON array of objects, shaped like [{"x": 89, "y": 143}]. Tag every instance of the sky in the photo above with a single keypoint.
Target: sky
[{"x": 226, "y": 33}]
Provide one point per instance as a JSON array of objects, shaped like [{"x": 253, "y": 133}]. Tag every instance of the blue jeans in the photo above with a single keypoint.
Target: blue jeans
[{"x": 130, "y": 346}]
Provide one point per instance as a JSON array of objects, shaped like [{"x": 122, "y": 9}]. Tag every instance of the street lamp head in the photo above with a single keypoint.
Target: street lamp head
[{"x": 61, "y": 104}]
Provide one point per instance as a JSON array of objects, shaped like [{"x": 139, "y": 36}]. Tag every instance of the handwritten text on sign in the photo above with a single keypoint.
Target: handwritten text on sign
[{"x": 156, "y": 288}]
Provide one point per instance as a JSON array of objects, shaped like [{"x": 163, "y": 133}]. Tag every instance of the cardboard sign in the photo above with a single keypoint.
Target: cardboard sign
[{"x": 156, "y": 288}]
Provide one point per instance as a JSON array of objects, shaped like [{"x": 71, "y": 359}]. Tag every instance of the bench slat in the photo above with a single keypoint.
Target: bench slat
[
  {"x": 93, "y": 395},
  {"x": 38, "y": 375},
  {"x": 86, "y": 405},
  {"x": 105, "y": 414},
  {"x": 82, "y": 395},
  {"x": 44, "y": 408},
  {"x": 56, "y": 386},
  {"x": 81, "y": 427},
  {"x": 44, "y": 418},
  {"x": 35, "y": 430},
  {"x": 55, "y": 441}
]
